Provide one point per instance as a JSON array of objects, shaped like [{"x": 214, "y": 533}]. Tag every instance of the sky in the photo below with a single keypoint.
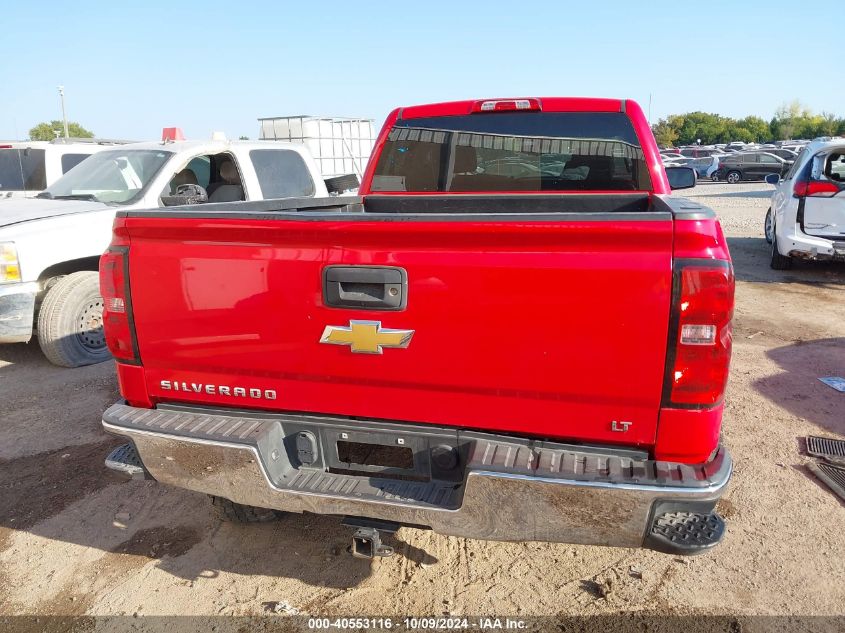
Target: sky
[{"x": 130, "y": 69}]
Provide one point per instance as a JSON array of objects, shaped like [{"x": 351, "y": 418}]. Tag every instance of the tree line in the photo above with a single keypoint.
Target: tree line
[
  {"x": 49, "y": 130},
  {"x": 791, "y": 121}
]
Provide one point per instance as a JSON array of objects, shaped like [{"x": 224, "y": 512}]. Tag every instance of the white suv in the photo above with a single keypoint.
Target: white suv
[
  {"x": 29, "y": 167},
  {"x": 807, "y": 216}
]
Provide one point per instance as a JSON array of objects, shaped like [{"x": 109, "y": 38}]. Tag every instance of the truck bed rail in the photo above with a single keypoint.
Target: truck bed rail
[{"x": 502, "y": 207}]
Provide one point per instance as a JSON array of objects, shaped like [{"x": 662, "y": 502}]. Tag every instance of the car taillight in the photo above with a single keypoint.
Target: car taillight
[
  {"x": 117, "y": 305},
  {"x": 814, "y": 189},
  {"x": 700, "y": 348}
]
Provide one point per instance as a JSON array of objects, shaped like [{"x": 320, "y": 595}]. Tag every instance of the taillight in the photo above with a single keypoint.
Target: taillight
[
  {"x": 700, "y": 348},
  {"x": 815, "y": 189},
  {"x": 117, "y": 305}
]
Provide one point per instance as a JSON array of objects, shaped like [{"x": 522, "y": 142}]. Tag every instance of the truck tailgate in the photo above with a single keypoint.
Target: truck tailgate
[{"x": 547, "y": 327}]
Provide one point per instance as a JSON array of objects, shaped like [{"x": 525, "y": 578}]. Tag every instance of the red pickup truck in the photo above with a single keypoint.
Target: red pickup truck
[{"x": 514, "y": 333}]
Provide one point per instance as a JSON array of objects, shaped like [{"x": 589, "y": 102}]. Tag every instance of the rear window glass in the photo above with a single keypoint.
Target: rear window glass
[
  {"x": 281, "y": 173},
  {"x": 69, "y": 161},
  {"x": 22, "y": 170},
  {"x": 835, "y": 167},
  {"x": 513, "y": 151}
]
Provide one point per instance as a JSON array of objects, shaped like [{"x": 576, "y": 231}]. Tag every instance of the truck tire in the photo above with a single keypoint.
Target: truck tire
[
  {"x": 239, "y": 513},
  {"x": 779, "y": 262},
  {"x": 768, "y": 226},
  {"x": 70, "y": 322}
]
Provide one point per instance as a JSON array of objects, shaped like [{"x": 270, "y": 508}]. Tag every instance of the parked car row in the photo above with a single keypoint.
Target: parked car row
[
  {"x": 704, "y": 166},
  {"x": 807, "y": 217},
  {"x": 783, "y": 148},
  {"x": 750, "y": 166},
  {"x": 735, "y": 167}
]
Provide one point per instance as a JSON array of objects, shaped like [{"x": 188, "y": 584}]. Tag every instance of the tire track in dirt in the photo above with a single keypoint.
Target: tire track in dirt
[{"x": 36, "y": 488}]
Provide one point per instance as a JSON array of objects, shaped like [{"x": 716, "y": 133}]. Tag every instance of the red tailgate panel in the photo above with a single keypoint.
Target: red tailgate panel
[{"x": 537, "y": 328}]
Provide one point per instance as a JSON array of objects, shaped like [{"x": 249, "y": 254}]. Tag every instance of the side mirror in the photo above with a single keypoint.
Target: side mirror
[
  {"x": 773, "y": 179},
  {"x": 186, "y": 194},
  {"x": 681, "y": 177}
]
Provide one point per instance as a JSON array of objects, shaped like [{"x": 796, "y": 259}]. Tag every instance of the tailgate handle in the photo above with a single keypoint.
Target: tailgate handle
[{"x": 365, "y": 287}]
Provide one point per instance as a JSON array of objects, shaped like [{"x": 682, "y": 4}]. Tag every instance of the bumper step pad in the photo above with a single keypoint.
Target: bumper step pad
[
  {"x": 685, "y": 533},
  {"x": 124, "y": 459}
]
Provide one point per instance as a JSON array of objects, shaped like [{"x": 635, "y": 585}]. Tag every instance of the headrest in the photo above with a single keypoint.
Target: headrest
[
  {"x": 228, "y": 172},
  {"x": 465, "y": 160},
  {"x": 184, "y": 177},
  {"x": 593, "y": 162}
]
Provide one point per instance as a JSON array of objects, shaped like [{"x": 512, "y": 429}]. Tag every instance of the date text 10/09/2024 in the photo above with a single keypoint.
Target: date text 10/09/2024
[{"x": 424, "y": 623}]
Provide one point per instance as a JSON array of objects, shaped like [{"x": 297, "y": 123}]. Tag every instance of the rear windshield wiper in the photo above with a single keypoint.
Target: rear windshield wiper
[{"x": 77, "y": 196}]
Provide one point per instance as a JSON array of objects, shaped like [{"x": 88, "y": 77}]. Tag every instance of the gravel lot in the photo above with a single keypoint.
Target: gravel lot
[{"x": 75, "y": 539}]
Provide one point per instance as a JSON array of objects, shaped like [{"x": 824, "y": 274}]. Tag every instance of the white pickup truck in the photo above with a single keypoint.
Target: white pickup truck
[{"x": 50, "y": 246}]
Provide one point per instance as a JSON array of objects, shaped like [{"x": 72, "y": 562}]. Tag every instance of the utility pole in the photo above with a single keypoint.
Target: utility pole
[{"x": 64, "y": 116}]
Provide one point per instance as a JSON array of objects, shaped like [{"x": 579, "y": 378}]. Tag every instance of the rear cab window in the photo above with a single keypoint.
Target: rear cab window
[
  {"x": 281, "y": 173},
  {"x": 22, "y": 169},
  {"x": 513, "y": 152},
  {"x": 69, "y": 161}
]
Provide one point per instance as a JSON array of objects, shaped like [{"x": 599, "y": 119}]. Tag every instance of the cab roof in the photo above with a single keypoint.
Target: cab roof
[
  {"x": 547, "y": 104},
  {"x": 206, "y": 145},
  {"x": 60, "y": 143}
]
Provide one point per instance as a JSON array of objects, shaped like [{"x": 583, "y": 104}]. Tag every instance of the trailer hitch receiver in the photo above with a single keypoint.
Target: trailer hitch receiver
[{"x": 366, "y": 540}]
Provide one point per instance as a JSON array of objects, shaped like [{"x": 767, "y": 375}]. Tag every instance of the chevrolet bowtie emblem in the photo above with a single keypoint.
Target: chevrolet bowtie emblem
[{"x": 366, "y": 337}]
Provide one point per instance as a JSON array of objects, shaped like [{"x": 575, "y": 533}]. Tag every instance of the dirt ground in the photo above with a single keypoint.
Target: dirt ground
[{"x": 75, "y": 539}]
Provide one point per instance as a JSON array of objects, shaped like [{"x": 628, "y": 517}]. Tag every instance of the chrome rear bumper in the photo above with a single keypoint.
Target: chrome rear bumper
[{"x": 505, "y": 489}]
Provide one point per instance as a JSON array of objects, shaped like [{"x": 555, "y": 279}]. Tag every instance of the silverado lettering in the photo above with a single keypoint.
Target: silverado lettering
[
  {"x": 223, "y": 390},
  {"x": 571, "y": 324}
]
